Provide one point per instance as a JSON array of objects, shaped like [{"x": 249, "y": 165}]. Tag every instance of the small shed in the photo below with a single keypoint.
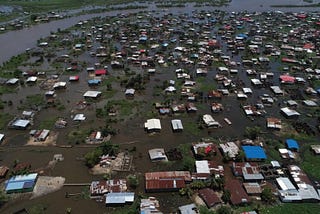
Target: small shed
[
  {"x": 292, "y": 144},
  {"x": 152, "y": 125},
  {"x": 92, "y": 94},
  {"x": 176, "y": 125},
  {"x": 119, "y": 198}
]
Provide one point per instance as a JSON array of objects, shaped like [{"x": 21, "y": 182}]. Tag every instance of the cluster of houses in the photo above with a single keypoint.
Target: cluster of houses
[{"x": 193, "y": 52}]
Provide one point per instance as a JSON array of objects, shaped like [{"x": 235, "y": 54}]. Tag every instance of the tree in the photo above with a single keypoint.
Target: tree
[
  {"x": 108, "y": 148},
  {"x": 133, "y": 181},
  {"x": 252, "y": 132},
  {"x": 226, "y": 196},
  {"x": 224, "y": 210},
  {"x": 267, "y": 195}
]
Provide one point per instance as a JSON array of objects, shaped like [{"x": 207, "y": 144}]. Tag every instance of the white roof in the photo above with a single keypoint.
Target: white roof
[
  {"x": 92, "y": 94},
  {"x": 285, "y": 183},
  {"x": 21, "y": 123},
  {"x": 32, "y": 79},
  {"x": 202, "y": 166},
  {"x": 12, "y": 81},
  {"x": 152, "y": 124},
  {"x": 276, "y": 89},
  {"x": 157, "y": 154},
  {"x": 289, "y": 112},
  {"x": 59, "y": 84},
  {"x": 209, "y": 121},
  {"x": 247, "y": 90},
  {"x": 176, "y": 124},
  {"x": 1, "y": 137},
  {"x": 256, "y": 81},
  {"x": 79, "y": 117},
  {"x": 310, "y": 103}
]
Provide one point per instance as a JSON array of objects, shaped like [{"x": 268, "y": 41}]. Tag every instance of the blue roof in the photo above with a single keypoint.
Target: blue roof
[
  {"x": 292, "y": 144},
  {"x": 94, "y": 81},
  {"x": 21, "y": 182},
  {"x": 254, "y": 152}
]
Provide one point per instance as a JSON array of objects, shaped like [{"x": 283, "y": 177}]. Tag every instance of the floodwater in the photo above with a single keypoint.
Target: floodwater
[
  {"x": 16, "y": 42},
  {"x": 73, "y": 168}
]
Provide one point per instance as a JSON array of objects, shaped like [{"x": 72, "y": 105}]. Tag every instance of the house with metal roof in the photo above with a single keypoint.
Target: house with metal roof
[
  {"x": 119, "y": 198},
  {"x": 157, "y": 154},
  {"x": 176, "y": 125},
  {"x": 166, "y": 181},
  {"x": 21, "y": 183},
  {"x": 152, "y": 125}
]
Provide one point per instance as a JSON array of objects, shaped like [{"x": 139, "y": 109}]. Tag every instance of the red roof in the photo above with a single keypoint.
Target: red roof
[
  {"x": 100, "y": 72},
  {"x": 166, "y": 180},
  {"x": 209, "y": 197},
  {"x": 238, "y": 194},
  {"x": 287, "y": 79},
  {"x": 308, "y": 46},
  {"x": 289, "y": 60},
  {"x": 302, "y": 16}
]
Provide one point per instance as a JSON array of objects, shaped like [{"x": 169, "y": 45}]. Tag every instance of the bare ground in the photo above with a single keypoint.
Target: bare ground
[
  {"x": 46, "y": 185},
  {"x": 50, "y": 141}
]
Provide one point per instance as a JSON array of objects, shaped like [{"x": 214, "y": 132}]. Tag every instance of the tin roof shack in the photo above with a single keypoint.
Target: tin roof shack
[
  {"x": 238, "y": 194},
  {"x": 274, "y": 123},
  {"x": 252, "y": 188},
  {"x": 59, "y": 85},
  {"x": 149, "y": 206},
  {"x": 19, "y": 124},
  {"x": 95, "y": 137},
  {"x": 129, "y": 93},
  {"x": 40, "y": 135},
  {"x": 229, "y": 149},
  {"x": 92, "y": 94},
  {"x": 292, "y": 145},
  {"x": 188, "y": 209},
  {"x": 204, "y": 170},
  {"x": 3, "y": 171},
  {"x": 315, "y": 149},
  {"x": 100, "y": 188},
  {"x": 287, "y": 191},
  {"x": 152, "y": 125},
  {"x": 119, "y": 198},
  {"x": 21, "y": 183},
  {"x": 210, "y": 122},
  {"x": 289, "y": 113},
  {"x": 254, "y": 153},
  {"x": 176, "y": 125},
  {"x": 209, "y": 197},
  {"x": 157, "y": 155},
  {"x": 166, "y": 181},
  {"x": 249, "y": 171},
  {"x": 204, "y": 149}
]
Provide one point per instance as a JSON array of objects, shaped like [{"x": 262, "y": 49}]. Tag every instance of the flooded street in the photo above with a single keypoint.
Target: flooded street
[{"x": 120, "y": 35}]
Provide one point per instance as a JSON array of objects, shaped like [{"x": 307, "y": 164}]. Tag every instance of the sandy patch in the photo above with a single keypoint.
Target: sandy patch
[
  {"x": 98, "y": 170},
  {"x": 50, "y": 141},
  {"x": 46, "y": 185}
]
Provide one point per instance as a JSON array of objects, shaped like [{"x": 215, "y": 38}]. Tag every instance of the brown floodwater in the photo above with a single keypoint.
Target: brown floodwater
[{"x": 131, "y": 133}]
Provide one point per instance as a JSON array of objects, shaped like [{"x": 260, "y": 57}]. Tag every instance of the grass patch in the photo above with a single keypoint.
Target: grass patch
[
  {"x": 292, "y": 208},
  {"x": 191, "y": 128},
  {"x": 6, "y": 90},
  {"x": 310, "y": 163},
  {"x": 204, "y": 85},
  {"x": 77, "y": 136},
  {"x": 47, "y": 123}
]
